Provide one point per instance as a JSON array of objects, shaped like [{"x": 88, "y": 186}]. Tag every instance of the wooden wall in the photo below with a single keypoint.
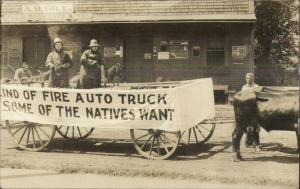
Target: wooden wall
[
  {"x": 138, "y": 39},
  {"x": 232, "y": 73}
]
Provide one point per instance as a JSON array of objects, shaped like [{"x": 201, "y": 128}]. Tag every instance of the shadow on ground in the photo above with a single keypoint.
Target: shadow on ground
[
  {"x": 94, "y": 146},
  {"x": 279, "y": 148},
  {"x": 287, "y": 154},
  {"x": 276, "y": 158},
  {"x": 275, "y": 152},
  {"x": 201, "y": 151},
  {"x": 124, "y": 147}
]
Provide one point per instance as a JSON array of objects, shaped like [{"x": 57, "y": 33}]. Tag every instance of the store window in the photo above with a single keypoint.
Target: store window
[
  {"x": 196, "y": 51},
  {"x": 216, "y": 52},
  {"x": 163, "y": 46}
]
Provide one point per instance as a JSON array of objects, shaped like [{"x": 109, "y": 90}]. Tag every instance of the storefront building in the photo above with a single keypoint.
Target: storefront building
[{"x": 173, "y": 39}]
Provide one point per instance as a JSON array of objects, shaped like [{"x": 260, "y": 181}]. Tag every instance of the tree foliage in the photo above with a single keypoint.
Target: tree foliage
[{"x": 275, "y": 32}]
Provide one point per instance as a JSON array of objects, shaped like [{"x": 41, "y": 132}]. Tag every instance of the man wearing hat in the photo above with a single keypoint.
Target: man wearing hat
[
  {"x": 22, "y": 73},
  {"x": 59, "y": 63},
  {"x": 92, "y": 69}
]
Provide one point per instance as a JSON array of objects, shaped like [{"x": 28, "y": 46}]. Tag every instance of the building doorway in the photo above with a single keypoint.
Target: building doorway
[
  {"x": 35, "y": 51},
  {"x": 138, "y": 58}
]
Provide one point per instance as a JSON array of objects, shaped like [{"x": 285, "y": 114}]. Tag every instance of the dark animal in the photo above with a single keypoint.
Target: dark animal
[
  {"x": 271, "y": 109},
  {"x": 113, "y": 73}
]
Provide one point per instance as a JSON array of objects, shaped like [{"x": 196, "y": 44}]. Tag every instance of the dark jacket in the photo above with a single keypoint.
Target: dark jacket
[
  {"x": 90, "y": 73},
  {"x": 91, "y": 62}
]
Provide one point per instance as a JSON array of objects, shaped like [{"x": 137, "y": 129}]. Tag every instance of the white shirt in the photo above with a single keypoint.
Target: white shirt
[
  {"x": 22, "y": 74},
  {"x": 253, "y": 86}
]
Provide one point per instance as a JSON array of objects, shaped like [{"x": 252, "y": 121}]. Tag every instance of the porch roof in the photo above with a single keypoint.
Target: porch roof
[{"x": 108, "y": 11}]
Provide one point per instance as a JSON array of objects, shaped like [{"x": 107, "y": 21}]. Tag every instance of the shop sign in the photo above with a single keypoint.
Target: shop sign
[
  {"x": 47, "y": 11},
  {"x": 50, "y": 8},
  {"x": 163, "y": 55}
]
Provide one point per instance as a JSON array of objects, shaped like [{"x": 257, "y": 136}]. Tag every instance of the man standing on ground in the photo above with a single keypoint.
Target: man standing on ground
[
  {"x": 252, "y": 138},
  {"x": 59, "y": 63},
  {"x": 92, "y": 68},
  {"x": 250, "y": 83}
]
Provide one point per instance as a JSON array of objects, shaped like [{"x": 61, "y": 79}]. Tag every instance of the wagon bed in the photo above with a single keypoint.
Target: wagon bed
[{"x": 150, "y": 143}]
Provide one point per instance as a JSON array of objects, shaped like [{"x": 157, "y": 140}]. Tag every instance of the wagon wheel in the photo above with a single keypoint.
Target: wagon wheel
[
  {"x": 198, "y": 134},
  {"x": 155, "y": 144},
  {"x": 74, "y": 132},
  {"x": 30, "y": 136}
]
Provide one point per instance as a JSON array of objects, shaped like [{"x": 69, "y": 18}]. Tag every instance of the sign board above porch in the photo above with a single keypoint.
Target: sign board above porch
[{"x": 99, "y": 11}]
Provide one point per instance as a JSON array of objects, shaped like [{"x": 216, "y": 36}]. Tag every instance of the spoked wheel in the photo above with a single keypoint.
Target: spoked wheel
[
  {"x": 198, "y": 134},
  {"x": 155, "y": 144},
  {"x": 30, "y": 136},
  {"x": 74, "y": 132}
]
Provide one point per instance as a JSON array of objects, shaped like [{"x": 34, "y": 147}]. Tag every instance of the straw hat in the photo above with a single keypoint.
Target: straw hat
[
  {"x": 94, "y": 43},
  {"x": 24, "y": 65},
  {"x": 57, "y": 40}
]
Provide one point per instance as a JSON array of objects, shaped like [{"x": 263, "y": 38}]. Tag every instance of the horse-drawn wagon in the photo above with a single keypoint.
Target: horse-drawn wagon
[{"x": 34, "y": 133}]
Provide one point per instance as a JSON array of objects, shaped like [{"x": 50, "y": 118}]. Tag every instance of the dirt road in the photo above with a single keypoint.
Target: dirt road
[
  {"x": 110, "y": 152},
  {"x": 23, "y": 178}
]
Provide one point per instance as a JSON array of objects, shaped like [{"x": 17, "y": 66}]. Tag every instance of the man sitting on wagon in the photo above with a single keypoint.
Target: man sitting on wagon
[{"x": 23, "y": 73}]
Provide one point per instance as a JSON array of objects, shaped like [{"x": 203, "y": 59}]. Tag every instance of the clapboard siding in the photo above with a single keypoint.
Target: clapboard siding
[
  {"x": 138, "y": 39},
  {"x": 134, "y": 7}
]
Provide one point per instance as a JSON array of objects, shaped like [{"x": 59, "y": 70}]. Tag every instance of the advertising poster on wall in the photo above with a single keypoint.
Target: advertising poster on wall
[
  {"x": 178, "y": 49},
  {"x": 239, "y": 52}
]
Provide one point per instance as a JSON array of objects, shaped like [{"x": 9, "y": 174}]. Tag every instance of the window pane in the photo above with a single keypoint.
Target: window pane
[
  {"x": 196, "y": 51},
  {"x": 163, "y": 46}
]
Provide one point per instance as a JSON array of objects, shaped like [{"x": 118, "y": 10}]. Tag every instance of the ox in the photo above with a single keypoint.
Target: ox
[
  {"x": 114, "y": 73},
  {"x": 269, "y": 108}
]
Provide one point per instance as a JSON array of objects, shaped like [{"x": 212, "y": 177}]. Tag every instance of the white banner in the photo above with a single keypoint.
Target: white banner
[{"x": 177, "y": 108}]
